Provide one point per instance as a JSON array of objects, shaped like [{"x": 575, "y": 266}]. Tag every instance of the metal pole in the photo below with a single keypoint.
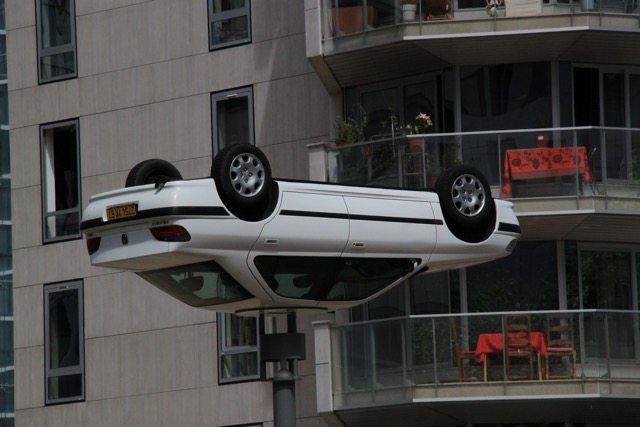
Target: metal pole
[
  {"x": 284, "y": 386},
  {"x": 284, "y": 397}
]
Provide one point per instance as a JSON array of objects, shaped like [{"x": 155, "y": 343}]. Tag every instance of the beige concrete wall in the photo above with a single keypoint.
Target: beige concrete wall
[{"x": 145, "y": 75}]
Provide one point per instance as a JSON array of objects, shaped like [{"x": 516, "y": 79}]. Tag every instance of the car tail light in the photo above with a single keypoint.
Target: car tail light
[
  {"x": 93, "y": 244},
  {"x": 171, "y": 233}
]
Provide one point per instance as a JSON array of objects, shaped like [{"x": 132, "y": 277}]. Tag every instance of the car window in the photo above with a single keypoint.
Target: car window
[
  {"x": 198, "y": 284},
  {"x": 330, "y": 278}
]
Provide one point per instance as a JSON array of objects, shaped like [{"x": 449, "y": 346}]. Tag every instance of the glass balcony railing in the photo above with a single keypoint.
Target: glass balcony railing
[
  {"x": 343, "y": 18},
  {"x": 400, "y": 360},
  {"x": 580, "y": 162}
]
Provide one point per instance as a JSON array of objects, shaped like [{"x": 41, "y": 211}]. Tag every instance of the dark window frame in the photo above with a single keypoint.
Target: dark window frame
[
  {"x": 66, "y": 48},
  {"x": 46, "y": 145},
  {"x": 227, "y": 15},
  {"x": 229, "y": 95},
  {"x": 70, "y": 370},
  {"x": 237, "y": 350}
]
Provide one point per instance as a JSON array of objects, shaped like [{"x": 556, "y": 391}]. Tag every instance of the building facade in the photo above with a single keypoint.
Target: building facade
[
  {"x": 98, "y": 87},
  {"x": 542, "y": 97}
]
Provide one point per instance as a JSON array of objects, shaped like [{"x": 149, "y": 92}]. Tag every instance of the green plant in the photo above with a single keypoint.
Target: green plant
[
  {"x": 391, "y": 125},
  {"x": 350, "y": 130}
]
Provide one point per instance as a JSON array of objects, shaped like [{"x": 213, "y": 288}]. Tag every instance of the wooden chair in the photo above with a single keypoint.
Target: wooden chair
[
  {"x": 560, "y": 343},
  {"x": 517, "y": 343},
  {"x": 462, "y": 355}
]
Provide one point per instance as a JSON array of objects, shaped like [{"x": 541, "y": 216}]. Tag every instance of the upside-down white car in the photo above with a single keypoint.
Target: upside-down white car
[{"x": 240, "y": 241}]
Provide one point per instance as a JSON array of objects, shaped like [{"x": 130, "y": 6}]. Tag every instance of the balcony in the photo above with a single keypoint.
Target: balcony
[
  {"x": 363, "y": 41},
  {"x": 404, "y": 371},
  {"x": 561, "y": 180}
]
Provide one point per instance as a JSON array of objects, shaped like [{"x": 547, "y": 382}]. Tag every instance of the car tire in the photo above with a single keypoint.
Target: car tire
[
  {"x": 152, "y": 171},
  {"x": 243, "y": 177},
  {"x": 466, "y": 202}
]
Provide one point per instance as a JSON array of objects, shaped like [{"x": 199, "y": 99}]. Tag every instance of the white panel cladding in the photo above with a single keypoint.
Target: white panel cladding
[
  {"x": 122, "y": 303},
  {"x": 29, "y": 374},
  {"x": 190, "y": 407},
  {"x": 26, "y": 221},
  {"x": 139, "y": 34},
  {"x": 24, "y": 171},
  {"x": 158, "y": 361},
  {"x": 29, "y": 315},
  {"x": 20, "y": 14},
  {"x": 22, "y": 58},
  {"x": 50, "y": 263},
  {"x": 275, "y": 19},
  {"x": 42, "y": 104},
  {"x": 174, "y": 130}
]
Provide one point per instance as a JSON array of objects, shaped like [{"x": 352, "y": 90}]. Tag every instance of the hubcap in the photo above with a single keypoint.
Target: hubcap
[
  {"x": 247, "y": 175},
  {"x": 468, "y": 195}
]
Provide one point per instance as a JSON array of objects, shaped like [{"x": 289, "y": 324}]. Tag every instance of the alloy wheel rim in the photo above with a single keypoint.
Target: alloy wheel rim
[
  {"x": 247, "y": 175},
  {"x": 468, "y": 195}
]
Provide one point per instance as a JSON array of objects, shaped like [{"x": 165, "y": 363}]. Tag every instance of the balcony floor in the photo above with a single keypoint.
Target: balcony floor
[
  {"x": 589, "y": 401},
  {"x": 570, "y": 218},
  {"x": 389, "y": 52}
]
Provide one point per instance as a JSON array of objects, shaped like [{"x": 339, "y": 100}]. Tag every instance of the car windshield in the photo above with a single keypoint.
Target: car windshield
[
  {"x": 330, "y": 278},
  {"x": 198, "y": 285}
]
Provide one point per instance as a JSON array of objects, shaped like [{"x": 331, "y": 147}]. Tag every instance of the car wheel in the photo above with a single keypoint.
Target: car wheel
[
  {"x": 243, "y": 177},
  {"x": 152, "y": 171},
  {"x": 466, "y": 202}
]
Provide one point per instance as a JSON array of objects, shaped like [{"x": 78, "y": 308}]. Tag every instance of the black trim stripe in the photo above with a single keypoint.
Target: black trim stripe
[
  {"x": 375, "y": 218},
  {"x": 310, "y": 214},
  {"x": 509, "y": 228},
  {"x": 160, "y": 212}
]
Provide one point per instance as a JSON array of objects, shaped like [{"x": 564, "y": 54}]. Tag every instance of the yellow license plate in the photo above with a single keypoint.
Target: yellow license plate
[{"x": 122, "y": 211}]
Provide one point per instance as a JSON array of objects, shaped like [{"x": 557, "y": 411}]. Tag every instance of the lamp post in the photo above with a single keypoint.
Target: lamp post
[{"x": 284, "y": 348}]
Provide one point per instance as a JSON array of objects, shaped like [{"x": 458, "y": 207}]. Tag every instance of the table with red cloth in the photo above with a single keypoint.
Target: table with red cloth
[
  {"x": 494, "y": 343},
  {"x": 544, "y": 163}
]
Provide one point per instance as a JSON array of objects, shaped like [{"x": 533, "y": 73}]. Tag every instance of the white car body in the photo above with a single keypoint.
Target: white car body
[{"x": 383, "y": 234}]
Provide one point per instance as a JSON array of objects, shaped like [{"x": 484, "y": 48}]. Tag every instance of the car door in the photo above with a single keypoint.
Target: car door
[
  {"x": 306, "y": 224},
  {"x": 390, "y": 227}
]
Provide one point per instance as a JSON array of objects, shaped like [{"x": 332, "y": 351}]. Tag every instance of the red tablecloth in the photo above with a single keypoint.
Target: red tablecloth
[
  {"x": 543, "y": 163},
  {"x": 493, "y": 343}
]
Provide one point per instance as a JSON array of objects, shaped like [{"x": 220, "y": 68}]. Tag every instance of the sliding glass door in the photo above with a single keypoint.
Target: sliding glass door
[
  {"x": 607, "y": 97},
  {"x": 608, "y": 282}
]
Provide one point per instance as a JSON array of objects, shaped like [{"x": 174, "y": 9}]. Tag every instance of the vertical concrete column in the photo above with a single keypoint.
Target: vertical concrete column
[
  {"x": 318, "y": 164},
  {"x": 322, "y": 344}
]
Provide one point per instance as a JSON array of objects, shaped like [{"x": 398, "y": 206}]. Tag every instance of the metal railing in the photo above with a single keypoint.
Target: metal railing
[
  {"x": 570, "y": 162},
  {"x": 395, "y": 360}
]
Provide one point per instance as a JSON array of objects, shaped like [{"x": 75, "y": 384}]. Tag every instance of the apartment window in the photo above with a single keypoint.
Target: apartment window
[
  {"x": 60, "y": 181},
  {"x": 232, "y": 118},
  {"x": 238, "y": 355},
  {"x": 56, "y": 30},
  {"x": 64, "y": 342},
  {"x": 229, "y": 23},
  {"x": 515, "y": 283}
]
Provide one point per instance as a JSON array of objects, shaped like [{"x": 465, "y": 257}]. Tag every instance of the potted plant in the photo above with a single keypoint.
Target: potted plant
[
  {"x": 349, "y": 130},
  {"x": 348, "y": 17},
  {"x": 420, "y": 126},
  {"x": 439, "y": 9},
  {"x": 409, "y": 8},
  {"x": 492, "y": 7}
]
